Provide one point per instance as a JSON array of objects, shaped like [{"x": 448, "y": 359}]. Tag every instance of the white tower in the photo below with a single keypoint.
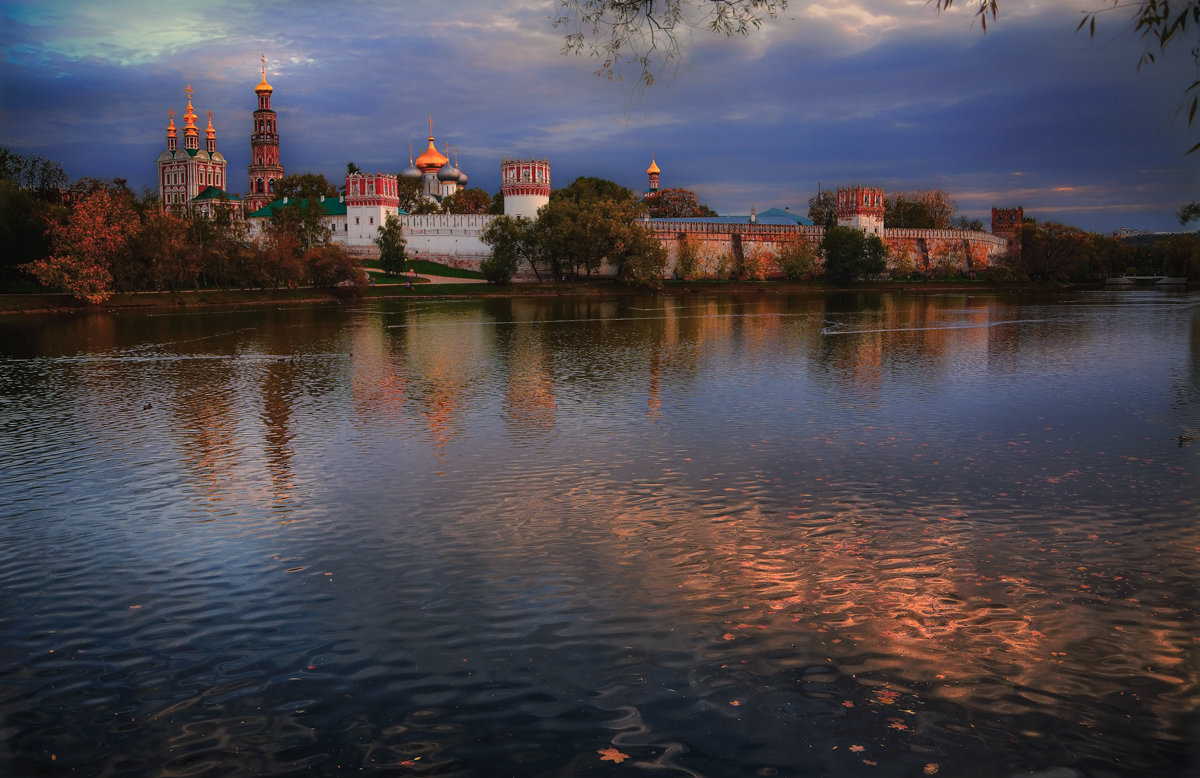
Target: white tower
[
  {"x": 526, "y": 186},
  {"x": 861, "y": 207}
]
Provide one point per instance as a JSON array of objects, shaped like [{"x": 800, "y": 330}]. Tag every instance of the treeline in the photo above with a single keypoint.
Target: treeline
[
  {"x": 95, "y": 238},
  {"x": 1058, "y": 252},
  {"x": 588, "y": 223}
]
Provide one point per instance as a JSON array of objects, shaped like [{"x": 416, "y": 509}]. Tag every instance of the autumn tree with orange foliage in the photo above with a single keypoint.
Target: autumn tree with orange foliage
[{"x": 94, "y": 234}]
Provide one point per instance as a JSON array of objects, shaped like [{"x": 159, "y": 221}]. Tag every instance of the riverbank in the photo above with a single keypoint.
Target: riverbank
[{"x": 433, "y": 286}]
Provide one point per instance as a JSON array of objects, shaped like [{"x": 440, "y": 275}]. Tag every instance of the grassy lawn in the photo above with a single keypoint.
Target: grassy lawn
[{"x": 423, "y": 267}]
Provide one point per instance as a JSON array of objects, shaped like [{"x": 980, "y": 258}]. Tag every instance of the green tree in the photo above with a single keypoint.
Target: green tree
[
  {"x": 590, "y": 189},
  {"x": 1188, "y": 213},
  {"x": 23, "y": 235},
  {"x": 925, "y": 209},
  {"x": 822, "y": 209},
  {"x": 393, "y": 256},
  {"x": 1054, "y": 252},
  {"x": 471, "y": 200},
  {"x": 674, "y": 203},
  {"x": 512, "y": 242},
  {"x": 798, "y": 259},
  {"x": 304, "y": 185},
  {"x": 165, "y": 254},
  {"x": 850, "y": 254},
  {"x": 409, "y": 189},
  {"x": 305, "y": 220},
  {"x": 497, "y": 206},
  {"x": 640, "y": 257}
]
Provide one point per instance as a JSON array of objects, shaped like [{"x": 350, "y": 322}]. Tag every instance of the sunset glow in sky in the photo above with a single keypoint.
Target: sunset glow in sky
[{"x": 888, "y": 93}]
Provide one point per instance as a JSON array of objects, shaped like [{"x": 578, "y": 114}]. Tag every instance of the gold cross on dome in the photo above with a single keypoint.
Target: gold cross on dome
[{"x": 189, "y": 90}]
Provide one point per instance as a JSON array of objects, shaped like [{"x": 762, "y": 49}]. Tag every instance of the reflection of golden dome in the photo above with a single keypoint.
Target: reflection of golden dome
[
  {"x": 653, "y": 169},
  {"x": 432, "y": 159}
]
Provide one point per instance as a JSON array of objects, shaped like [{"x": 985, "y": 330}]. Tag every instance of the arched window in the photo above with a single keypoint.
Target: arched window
[
  {"x": 271, "y": 186},
  {"x": 259, "y": 186}
]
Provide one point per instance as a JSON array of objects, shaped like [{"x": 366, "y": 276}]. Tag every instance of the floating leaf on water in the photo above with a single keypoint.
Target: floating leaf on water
[{"x": 611, "y": 755}]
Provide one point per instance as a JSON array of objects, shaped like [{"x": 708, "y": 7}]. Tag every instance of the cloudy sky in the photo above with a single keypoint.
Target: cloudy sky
[{"x": 836, "y": 92}]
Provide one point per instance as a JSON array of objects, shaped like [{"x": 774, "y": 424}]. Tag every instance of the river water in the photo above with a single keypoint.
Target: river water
[{"x": 870, "y": 534}]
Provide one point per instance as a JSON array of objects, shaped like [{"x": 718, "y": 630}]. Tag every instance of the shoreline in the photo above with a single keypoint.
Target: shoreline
[{"x": 49, "y": 302}]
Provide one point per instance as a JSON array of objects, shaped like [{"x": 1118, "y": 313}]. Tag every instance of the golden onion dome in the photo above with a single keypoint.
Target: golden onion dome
[
  {"x": 263, "y": 87},
  {"x": 653, "y": 169},
  {"x": 432, "y": 159}
]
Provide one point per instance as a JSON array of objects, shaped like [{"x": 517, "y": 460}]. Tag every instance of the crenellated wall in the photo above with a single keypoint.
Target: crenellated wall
[{"x": 718, "y": 244}]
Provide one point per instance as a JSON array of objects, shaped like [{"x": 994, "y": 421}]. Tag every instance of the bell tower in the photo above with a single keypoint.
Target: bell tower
[{"x": 264, "y": 168}]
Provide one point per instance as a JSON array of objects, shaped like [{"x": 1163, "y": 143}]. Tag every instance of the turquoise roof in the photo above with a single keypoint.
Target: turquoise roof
[
  {"x": 772, "y": 216},
  {"x": 213, "y": 193},
  {"x": 333, "y": 207}
]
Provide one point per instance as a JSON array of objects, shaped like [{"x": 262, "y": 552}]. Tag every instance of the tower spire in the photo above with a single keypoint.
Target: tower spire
[{"x": 172, "y": 136}]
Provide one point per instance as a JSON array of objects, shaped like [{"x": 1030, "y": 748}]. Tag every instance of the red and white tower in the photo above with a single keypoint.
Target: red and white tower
[
  {"x": 652, "y": 172},
  {"x": 370, "y": 199},
  {"x": 526, "y": 186},
  {"x": 861, "y": 207},
  {"x": 264, "y": 167}
]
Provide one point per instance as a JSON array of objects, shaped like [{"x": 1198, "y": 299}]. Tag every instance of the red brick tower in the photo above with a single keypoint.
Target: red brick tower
[
  {"x": 264, "y": 167},
  {"x": 861, "y": 207}
]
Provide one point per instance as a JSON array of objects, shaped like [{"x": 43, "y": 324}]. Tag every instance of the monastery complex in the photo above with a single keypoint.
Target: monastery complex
[{"x": 195, "y": 178}]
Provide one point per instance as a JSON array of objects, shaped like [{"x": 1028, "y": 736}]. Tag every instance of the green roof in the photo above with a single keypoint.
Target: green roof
[
  {"x": 213, "y": 193},
  {"x": 333, "y": 206}
]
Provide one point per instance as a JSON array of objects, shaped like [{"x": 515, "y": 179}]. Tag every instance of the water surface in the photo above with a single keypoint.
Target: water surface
[{"x": 846, "y": 535}]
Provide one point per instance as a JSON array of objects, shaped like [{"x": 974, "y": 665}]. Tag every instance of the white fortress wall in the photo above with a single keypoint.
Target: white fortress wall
[{"x": 449, "y": 238}]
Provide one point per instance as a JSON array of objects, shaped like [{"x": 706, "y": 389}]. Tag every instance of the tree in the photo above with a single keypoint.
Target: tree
[
  {"x": 22, "y": 229},
  {"x": 304, "y": 185},
  {"x": 409, "y": 189},
  {"x": 94, "y": 234},
  {"x": 304, "y": 220},
  {"x": 165, "y": 254},
  {"x": 512, "y": 243},
  {"x": 590, "y": 189},
  {"x": 850, "y": 253},
  {"x": 391, "y": 243},
  {"x": 472, "y": 200},
  {"x": 798, "y": 259},
  {"x": 1054, "y": 252},
  {"x": 641, "y": 258},
  {"x": 330, "y": 266},
  {"x": 822, "y": 209},
  {"x": 497, "y": 206},
  {"x": 676, "y": 204},
  {"x": 1188, "y": 213},
  {"x": 1158, "y": 22},
  {"x": 642, "y": 31},
  {"x": 687, "y": 257},
  {"x": 924, "y": 209}
]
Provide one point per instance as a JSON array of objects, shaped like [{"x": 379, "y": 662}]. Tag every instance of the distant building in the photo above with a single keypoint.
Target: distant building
[
  {"x": 439, "y": 178},
  {"x": 354, "y": 218},
  {"x": 192, "y": 177},
  {"x": 265, "y": 168}
]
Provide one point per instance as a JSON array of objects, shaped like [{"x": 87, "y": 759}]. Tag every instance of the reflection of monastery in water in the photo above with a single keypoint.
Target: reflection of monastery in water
[{"x": 195, "y": 178}]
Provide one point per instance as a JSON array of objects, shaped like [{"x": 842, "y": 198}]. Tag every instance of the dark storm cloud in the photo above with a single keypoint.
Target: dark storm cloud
[{"x": 894, "y": 95}]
